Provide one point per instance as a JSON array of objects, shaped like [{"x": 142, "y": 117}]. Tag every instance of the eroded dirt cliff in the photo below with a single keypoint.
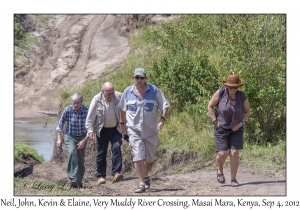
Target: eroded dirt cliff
[{"x": 71, "y": 50}]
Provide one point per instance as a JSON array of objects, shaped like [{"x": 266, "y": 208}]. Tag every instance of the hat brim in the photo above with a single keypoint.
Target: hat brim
[
  {"x": 139, "y": 74},
  {"x": 232, "y": 85}
]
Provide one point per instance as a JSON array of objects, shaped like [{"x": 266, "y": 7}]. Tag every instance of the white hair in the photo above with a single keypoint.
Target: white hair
[{"x": 77, "y": 96}]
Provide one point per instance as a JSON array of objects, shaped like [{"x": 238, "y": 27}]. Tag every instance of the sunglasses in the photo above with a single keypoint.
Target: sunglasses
[
  {"x": 137, "y": 77},
  {"x": 233, "y": 88}
]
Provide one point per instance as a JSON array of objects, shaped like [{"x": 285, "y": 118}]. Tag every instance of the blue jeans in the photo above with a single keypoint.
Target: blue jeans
[{"x": 113, "y": 136}]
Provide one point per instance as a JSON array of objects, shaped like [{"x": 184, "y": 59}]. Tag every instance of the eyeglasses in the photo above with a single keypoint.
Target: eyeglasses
[
  {"x": 137, "y": 77},
  {"x": 233, "y": 88}
]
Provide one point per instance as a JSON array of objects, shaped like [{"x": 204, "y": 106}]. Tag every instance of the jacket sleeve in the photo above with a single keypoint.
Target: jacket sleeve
[
  {"x": 122, "y": 102},
  {"x": 91, "y": 116}
]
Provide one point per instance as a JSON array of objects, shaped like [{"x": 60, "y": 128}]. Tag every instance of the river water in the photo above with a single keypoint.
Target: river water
[{"x": 38, "y": 133}]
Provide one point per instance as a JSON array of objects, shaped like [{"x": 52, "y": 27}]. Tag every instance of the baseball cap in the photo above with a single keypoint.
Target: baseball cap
[{"x": 140, "y": 72}]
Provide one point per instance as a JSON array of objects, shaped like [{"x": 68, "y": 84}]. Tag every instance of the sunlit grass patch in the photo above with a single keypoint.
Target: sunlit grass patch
[{"x": 27, "y": 151}]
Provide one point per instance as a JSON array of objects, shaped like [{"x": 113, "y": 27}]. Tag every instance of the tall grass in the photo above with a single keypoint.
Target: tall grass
[{"x": 271, "y": 157}]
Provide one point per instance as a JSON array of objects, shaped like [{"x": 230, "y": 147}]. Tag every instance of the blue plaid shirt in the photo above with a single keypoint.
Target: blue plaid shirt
[{"x": 75, "y": 121}]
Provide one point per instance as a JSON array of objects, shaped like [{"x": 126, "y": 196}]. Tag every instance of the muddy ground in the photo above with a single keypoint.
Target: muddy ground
[{"x": 174, "y": 174}]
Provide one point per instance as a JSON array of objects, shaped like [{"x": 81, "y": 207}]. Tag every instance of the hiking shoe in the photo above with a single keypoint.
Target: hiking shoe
[
  {"x": 147, "y": 182},
  {"x": 101, "y": 180},
  {"x": 118, "y": 177},
  {"x": 74, "y": 182}
]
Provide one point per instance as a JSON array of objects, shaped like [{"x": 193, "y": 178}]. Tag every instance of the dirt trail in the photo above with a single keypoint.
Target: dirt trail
[
  {"x": 201, "y": 182},
  {"x": 164, "y": 182}
]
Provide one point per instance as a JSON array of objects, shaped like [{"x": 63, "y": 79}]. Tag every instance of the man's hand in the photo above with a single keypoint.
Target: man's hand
[
  {"x": 91, "y": 136},
  {"x": 81, "y": 144},
  {"x": 160, "y": 124},
  {"x": 59, "y": 141}
]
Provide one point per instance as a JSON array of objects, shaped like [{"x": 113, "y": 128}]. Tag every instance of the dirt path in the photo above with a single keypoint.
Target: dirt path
[
  {"x": 253, "y": 181},
  {"x": 202, "y": 182}
]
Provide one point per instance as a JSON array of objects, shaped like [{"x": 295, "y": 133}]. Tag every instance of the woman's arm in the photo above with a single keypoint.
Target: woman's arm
[
  {"x": 247, "y": 110},
  {"x": 245, "y": 118},
  {"x": 211, "y": 104}
]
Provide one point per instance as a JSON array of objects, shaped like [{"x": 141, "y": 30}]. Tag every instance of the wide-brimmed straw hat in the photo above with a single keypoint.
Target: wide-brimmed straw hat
[{"x": 233, "y": 81}]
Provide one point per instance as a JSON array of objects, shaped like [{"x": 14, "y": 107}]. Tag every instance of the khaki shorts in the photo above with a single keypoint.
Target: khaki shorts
[{"x": 142, "y": 149}]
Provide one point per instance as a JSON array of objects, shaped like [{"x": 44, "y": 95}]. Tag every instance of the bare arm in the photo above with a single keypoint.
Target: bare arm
[
  {"x": 245, "y": 118},
  {"x": 213, "y": 102},
  {"x": 164, "y": 112},
  {"x": 59, "y": 140},
  {"x": 123, "y": 120},
  {"x": 247, "y": 110},
  {"x": 161, "y": 121}
]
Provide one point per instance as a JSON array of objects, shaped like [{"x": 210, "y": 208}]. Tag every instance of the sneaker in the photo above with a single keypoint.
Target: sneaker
[
  {"x": 101, "y": 180},
  {"x": 118, "y": 177},
  {"x": 147, "y": 182}
]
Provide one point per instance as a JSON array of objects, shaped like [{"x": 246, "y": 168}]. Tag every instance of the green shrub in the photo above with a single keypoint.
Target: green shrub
[{"x": 200, "y": 51}]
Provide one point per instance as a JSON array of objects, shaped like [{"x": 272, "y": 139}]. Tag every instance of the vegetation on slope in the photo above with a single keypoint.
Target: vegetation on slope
[{"x": 190, "y": 57}]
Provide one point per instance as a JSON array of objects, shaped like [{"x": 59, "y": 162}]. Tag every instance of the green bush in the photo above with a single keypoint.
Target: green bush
[{"x": 200, "y": 51}]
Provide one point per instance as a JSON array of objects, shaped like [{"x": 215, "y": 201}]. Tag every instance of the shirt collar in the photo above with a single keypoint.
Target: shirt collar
[
  {"x": 78, "y": 110},
  {"x": 147, "y": 87}
]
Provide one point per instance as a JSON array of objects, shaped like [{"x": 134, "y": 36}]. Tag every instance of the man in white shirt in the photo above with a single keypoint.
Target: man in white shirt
[
  {"x": 103, "y": 122},
  {"x": 139, "y": 110}
]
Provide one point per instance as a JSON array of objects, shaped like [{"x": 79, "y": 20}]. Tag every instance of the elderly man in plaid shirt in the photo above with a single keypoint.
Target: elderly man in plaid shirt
[{"x": 75, "y": 138}]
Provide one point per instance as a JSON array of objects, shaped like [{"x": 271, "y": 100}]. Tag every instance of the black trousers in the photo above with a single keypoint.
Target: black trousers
[{"x": 113, "y": 136}]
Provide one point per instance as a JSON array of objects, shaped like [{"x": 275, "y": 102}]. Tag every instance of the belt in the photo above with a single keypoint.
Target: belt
[{"x": 110, "y": 127}]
